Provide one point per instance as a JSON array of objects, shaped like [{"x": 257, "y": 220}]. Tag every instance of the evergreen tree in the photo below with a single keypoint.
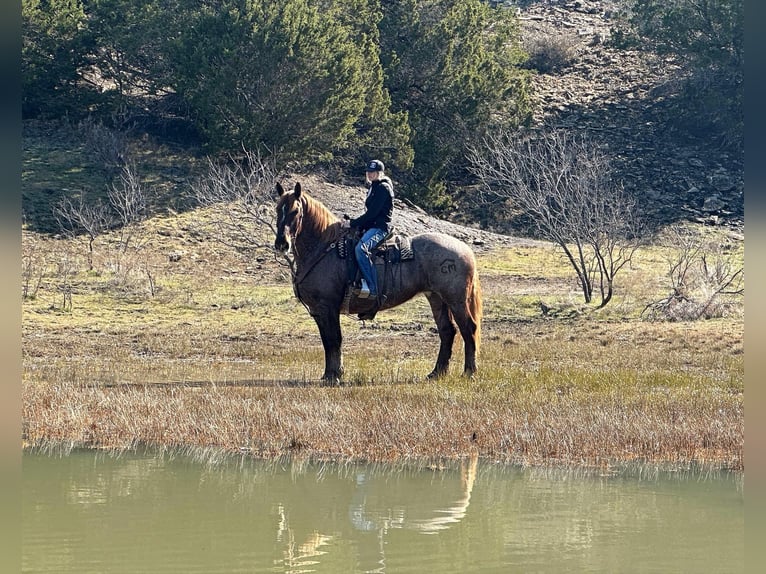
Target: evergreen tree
[
  {"x": 54, "y": 49},
  {"x": 277, "y": 74},
  {"x": 453, "y": 66},
  {"x": 131, "y": 39},
  {"x": 379, "y": 132}
]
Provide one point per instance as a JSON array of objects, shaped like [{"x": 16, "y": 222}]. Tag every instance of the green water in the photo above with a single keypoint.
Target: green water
[{"x": 90, "y": 512}]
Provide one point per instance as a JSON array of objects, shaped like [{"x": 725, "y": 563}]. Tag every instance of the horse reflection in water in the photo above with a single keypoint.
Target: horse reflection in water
[
  {"x": 296, "y": 555},
  {"x": 367, "y": 513},
  {"x": 380, "y": 504}
]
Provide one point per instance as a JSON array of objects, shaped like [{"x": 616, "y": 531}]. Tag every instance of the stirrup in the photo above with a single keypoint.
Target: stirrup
[
  {"x": 364, "y": 290},
  {"x": 370, "y": 313}
]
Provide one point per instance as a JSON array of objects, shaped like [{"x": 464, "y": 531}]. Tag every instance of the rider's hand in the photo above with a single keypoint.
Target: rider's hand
[{"x": 345, "y": 224}]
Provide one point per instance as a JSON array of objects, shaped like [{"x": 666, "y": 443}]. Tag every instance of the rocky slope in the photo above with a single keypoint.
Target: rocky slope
[{"x": 621, "y": 99}]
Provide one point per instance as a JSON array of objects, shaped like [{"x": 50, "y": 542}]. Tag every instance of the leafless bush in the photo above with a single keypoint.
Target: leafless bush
[
  {"x": 83, "y": 216},
  {"x": 244, "y": 190},
  {"x": 128, "y": 200},
  {"x": 705, "y": 282},
  {"x": 564, "y": 184},
  {"x": 550, "y": 49},
  {"x": 33, "y": 264},
  {"x": 109, "y": 147},
  {"x": 123, "y": 212},
  {"x": 64, "y": 279},
  {"x": 92, "y": 216}
]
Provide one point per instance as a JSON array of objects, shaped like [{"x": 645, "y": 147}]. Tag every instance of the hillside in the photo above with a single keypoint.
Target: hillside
[{"x": 623, "y": 99}]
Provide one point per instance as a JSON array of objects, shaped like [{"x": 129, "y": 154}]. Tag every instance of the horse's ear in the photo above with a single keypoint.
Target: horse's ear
[
  {"x": 280, "y": 190},
  {"x": 297, "y": 190}
]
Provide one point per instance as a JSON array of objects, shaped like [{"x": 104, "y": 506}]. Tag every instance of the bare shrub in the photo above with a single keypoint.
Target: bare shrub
[
  {"x": 128, "y": 200},
  {"x": 125, "y": 205},
  {"x": 91, "y": 216},
  {"x": 80, "y": 216},
  {"x": 563, "y": 183},
  {"x": 244, "y": 191},
  {"x": 108, "y": 147},
  {"x": 66, "y": 269},
  {"x": 33, "y": 263},
  {"x": 550, "y": 49},
  {"x": 705, "y": 281},
  {"x": 122, "y": 213}
]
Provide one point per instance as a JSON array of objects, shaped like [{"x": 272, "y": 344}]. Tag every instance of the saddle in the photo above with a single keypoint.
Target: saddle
[{"x": 393, "y": 249}]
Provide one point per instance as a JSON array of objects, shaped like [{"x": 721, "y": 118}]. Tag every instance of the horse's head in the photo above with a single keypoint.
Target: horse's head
[{"x": 289, "y": 217}]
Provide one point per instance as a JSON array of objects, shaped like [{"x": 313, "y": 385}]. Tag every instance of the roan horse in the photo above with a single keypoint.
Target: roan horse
[{"x": 442, "y": 267}]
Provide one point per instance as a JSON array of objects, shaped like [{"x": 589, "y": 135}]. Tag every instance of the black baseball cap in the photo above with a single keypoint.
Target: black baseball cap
[{"x": 375, "y": 165}]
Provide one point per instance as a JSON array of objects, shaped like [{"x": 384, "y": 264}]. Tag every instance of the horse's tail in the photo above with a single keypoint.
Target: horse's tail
[{"x": 475, "y": 306}]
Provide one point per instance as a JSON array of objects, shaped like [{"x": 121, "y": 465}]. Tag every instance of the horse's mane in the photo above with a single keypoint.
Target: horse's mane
[{"x": 322, "y": 222}]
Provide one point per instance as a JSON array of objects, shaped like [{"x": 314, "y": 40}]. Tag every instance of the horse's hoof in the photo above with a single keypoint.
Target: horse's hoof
[
  {"x": 435, "y": 375},
  {"x": 331, "y": 381}
]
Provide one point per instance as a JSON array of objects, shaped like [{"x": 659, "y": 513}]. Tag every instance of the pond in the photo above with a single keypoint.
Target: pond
[{"x": 151, "y": 512}]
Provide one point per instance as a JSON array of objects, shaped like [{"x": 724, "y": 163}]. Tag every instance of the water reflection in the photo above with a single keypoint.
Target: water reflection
[
  {"x": 380, "y": 500},
  {"x": 89, "y": 512},
  {"x": 406, "y": 507}
]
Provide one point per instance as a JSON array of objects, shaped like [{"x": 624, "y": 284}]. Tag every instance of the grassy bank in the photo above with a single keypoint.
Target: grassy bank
[{"x": 210, "y": 349}]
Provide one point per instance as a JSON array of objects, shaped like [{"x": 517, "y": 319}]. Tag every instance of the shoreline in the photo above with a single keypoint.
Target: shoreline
[
  {"x": 390, "y": 423},
  {"x": 215, "y": 457}
]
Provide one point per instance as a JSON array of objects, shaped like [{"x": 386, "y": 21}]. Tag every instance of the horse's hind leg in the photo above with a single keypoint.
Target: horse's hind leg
[
  {"x": 468, "y": 329},
  {"x": 447, "y": 331}
]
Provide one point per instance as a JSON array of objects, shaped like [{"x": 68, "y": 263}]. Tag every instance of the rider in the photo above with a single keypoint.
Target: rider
[{"x": 374, "y": 223}]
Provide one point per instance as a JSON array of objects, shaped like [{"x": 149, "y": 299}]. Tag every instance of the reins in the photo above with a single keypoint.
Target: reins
[{"x": 297, "y": 278}]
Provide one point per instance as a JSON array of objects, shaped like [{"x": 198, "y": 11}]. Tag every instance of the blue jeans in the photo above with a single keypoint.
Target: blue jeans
[{"x": 363, "y": 252}]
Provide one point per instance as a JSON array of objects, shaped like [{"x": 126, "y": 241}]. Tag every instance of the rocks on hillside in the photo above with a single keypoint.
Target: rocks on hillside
[{"x": 619, "y": 98}]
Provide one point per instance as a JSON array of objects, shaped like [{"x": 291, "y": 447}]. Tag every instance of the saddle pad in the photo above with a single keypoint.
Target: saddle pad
[
  {"x": 395, "y": 250},
  {"x": 404, "y": 243}
]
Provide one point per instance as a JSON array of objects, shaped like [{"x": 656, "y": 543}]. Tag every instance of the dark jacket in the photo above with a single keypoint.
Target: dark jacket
[{"x": 380, "y": 206}]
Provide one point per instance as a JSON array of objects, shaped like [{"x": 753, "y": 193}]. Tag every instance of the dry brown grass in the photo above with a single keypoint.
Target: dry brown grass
[{"x": 555, "y": 423}]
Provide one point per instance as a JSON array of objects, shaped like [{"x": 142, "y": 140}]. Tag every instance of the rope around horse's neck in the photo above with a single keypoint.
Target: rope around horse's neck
[{"x": 317, "y": 256}]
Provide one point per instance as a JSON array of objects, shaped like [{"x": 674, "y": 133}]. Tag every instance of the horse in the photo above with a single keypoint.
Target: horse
[{"x": 442, "y": 267}]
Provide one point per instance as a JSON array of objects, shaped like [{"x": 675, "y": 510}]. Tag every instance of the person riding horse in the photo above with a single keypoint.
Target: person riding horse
[
  {"x": 441, "y": 267},
  {"x": 374, "y": 224}
]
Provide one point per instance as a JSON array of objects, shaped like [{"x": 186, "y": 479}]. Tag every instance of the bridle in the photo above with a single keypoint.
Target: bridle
[{"x": 289, "y": 226}]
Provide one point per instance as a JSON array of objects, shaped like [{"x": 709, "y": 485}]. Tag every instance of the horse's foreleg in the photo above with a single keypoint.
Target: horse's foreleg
[
  {"x": 447, "y": 331},
  {"x": 329, "y": 329}
]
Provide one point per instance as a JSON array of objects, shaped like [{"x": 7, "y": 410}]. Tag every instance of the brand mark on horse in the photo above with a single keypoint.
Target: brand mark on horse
[{"x": 447, "y": 266}]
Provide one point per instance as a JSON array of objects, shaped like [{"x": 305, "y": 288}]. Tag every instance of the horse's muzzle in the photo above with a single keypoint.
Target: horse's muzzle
[{"x": 281, "y": 244}]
